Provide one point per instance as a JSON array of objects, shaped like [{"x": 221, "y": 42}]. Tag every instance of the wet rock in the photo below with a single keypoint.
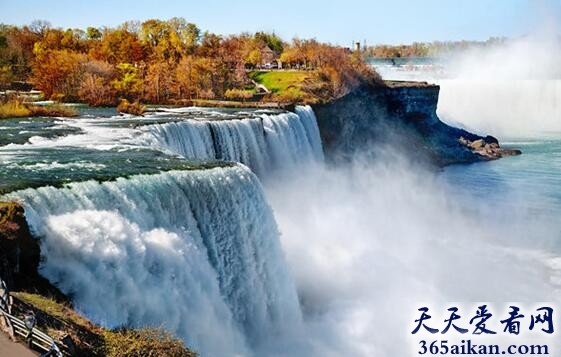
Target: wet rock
[
  {"x": 510, "y": 152},
  {"x": 487, "y": 148},
  {"x": 491, "y": 140},
  {"x": 20, "y": 254},
  {"x": 477, "y": 144}
]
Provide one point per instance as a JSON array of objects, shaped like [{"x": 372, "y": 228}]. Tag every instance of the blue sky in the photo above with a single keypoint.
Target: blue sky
[{"x": 340, "y": 22}]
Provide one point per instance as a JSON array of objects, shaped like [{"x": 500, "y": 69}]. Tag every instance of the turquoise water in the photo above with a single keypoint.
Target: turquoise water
[
  {"x": 536, "y": 171},
  {"x": 535, "y": 176},
  {"x": 520, "y": 194}
]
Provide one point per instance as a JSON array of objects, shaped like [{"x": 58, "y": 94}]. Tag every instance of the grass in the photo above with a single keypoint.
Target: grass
[
  {"x": 13, "y": 109},
  {"x": 16, "y": 109},
  {"x": 144, "y": 342},
  {"x": 285, "y": 85},
  {"x": 59, "y": 319},
  {"x": 52, "y": 308},
  {"x": 55, "y": 110}
]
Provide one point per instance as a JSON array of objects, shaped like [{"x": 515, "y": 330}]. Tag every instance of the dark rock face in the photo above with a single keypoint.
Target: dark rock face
[
  {"x": 20, "y": 254},
  {"x": 399, "y": 117}
]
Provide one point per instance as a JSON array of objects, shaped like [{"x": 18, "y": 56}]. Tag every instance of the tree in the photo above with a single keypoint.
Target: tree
[
  {"x": 95, "y": 87},
  {"x": 253, "y": 58},
  {"x": 120, "y": 46},
  {"x": 39, "y": 27},
  {"x": 189, "y": 34},
  {"x": 128, "y": 83},
  {"x": 185, "y": 80},
  {"x": 167, "y": 40},
  {"x": 269, "y": 39},
  {"x": 202, "y": 74},
  {"x": 210, "y": 45},
  {"x": 58, "y": 73},
  {"x": 93, "y": 33},
  {"x": 160, "y": 82}
]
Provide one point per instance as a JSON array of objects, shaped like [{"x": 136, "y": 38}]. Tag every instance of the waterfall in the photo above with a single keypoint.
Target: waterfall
[
  {"x": 197, "y": 252},
  {"x": 263, "y": 143},
  {"x": 510, "y": 109}
]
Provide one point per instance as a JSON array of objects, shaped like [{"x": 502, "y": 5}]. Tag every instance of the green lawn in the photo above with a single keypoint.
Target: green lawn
[{"x": 283, "y": 83}]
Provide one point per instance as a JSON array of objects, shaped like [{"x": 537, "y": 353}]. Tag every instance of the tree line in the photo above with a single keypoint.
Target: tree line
[
  {"x": 159, "y": 61},
  {"x": 424, "y": 49}
]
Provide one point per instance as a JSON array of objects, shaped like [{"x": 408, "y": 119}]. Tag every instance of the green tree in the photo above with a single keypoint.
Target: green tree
[
  {"x": 93, "y": 33},
  {"x": 270, "y": 39},
  {"x": 128, "y": 83}
]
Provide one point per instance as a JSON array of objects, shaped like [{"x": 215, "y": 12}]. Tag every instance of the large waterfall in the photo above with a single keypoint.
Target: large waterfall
[
  {"x": 195, "y": 251},
  {"x": 263, "y": 143}
]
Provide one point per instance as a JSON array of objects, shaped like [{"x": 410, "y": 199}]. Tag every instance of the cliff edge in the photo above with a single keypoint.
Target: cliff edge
[{"x": 399, "y": 116}]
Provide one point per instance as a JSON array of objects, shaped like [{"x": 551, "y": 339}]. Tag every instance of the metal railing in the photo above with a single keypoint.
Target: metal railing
[{"x": 25, "y": 328}]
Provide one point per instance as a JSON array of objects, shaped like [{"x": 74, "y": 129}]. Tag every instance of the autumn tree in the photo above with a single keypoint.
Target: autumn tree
[
  {"x": 96, "y": 88},
  {"x": 120, "y": 46},
  {"x": 185, "y": 78},
  {"x": 253, "y": 58},
  {"x": 58, "y": 73},
  {"x": 16, "y": 56},
  {"x": 160, "y": 81},
  {"x": 203, "y": 77},
  {"x": 188, "y": 33}
]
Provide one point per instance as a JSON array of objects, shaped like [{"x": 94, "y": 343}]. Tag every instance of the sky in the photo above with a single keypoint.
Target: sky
[{"x": 337, "y": 22}]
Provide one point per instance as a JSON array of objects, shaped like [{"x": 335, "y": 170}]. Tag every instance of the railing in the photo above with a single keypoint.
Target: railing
[{"x": 26, "y": 328}]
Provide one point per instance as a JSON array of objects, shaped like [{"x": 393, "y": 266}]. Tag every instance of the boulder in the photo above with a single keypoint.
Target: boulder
[
  {"x": 491, "y": 140},
  {"x": 477, "y": 144}
]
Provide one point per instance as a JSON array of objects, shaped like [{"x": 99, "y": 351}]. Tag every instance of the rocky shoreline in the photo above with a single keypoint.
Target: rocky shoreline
[{"x": 488, "y": 148}]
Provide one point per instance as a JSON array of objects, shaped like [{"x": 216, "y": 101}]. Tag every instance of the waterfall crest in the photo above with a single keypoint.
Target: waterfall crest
[{"x": 263, "y": 143}]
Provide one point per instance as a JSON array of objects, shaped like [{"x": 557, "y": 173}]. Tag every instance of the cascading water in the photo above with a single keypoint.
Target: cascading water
[
  {"x": 194, "y": 251},
  {"x": 263, "y": 143}
]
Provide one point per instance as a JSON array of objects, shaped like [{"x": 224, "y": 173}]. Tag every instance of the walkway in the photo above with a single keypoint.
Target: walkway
[{"x": 14, "y": 349}]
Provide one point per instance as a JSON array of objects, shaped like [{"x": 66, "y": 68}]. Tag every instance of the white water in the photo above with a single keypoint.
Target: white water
[
  {"x": 197, "y": 252},
  {"x": 268, "y": 142},
  {"x": 371, "y": 243}
]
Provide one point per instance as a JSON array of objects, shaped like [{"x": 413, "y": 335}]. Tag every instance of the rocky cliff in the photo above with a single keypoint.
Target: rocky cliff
[
  {"x": 20, "y": 254},
  {"x": 400, "y": 116}
]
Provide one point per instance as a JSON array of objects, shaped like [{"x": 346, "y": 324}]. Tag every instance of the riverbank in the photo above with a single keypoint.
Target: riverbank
[{"x": 17, "y": 109}]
